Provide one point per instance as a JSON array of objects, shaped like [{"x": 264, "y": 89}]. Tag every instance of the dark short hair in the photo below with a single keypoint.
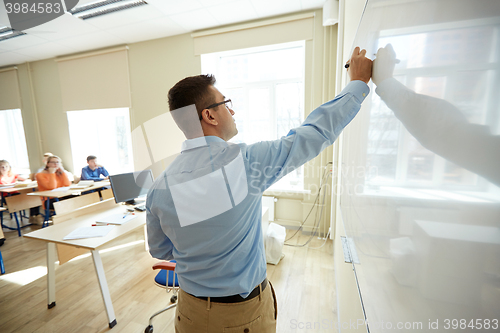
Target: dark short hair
[
  {"x": 192, "y": 90},
  {"x": 90, "y": 157}
]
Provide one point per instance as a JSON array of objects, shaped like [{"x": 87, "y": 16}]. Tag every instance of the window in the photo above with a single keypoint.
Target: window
[
  {"x": 103, "y": 133},
  {"x": 266, "y": 85},
  {"x": 13, "y": 147}
]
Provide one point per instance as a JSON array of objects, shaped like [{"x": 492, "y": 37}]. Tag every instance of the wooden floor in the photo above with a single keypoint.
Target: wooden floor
[{"x": 303, "y": 281}]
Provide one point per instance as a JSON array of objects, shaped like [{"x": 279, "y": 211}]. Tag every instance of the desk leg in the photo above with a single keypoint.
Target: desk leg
[
  {"x": 146, "y": 243},
  {"x": 47, "y": 213},
  {"x": 1, "y": 205},
  {"x": 17, "y": 223},
  {"x": 104, "y": 288},
  {"x": 51, "y": 274}
]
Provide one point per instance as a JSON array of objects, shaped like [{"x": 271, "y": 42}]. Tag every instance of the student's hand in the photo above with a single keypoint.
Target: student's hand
[
  {"x": 51, "y": 170},
  {"x": 384, "y": 63},
  {"x": 60, "y": 171},
  {"x": 360, "y": 67},
  {"x": 107, "y": 177}
]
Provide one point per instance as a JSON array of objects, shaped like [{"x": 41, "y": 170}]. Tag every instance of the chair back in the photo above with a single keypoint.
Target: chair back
[
  {"x": 16, "y": 203},
  {"x": 69, "y": 205},
  {"x": 87, "y": 209},
  {"x": 166, "y": 277},
  {"x": 107, "y": 194}
]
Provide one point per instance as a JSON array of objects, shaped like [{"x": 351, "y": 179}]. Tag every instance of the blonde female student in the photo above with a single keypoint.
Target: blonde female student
[
  {"x": 8, "y": 177},
  {"x": 6, "y": 174}
]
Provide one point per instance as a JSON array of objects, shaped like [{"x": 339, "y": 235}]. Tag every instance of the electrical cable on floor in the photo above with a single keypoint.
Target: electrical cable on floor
[
  {"x": 314, "y": 203},
  {"x": 316, "y": 226},
  {"x": 326, "y": 239},
  {"x": 318, "y": 220}
]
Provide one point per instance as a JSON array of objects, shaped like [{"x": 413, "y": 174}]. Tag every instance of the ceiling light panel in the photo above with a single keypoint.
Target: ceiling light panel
[
  {"x": 8, "y": 33},
  {"x": 100, "y": 8}
]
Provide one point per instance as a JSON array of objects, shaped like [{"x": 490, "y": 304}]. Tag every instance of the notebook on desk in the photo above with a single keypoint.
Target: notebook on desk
[
  {"x": 89, "y": 232},
  {"x": 115, "y": 219},
  {"x": 82, "y": 184},
  {"x": 23, "y": 184}
]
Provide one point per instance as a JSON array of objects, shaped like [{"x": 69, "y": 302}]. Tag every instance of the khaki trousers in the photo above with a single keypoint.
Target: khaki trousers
[{"x": 257, "y": 315}]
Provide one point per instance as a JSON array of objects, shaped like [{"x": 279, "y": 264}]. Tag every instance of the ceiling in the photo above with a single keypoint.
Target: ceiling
[{"x": 160, "y": 18}]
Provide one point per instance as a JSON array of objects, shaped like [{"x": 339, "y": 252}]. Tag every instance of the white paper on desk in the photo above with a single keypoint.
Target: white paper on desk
[
  {"x": 116, "y": 219},
  {"x": 61, "y": 189},
  {"x": 89, "y": 232}
]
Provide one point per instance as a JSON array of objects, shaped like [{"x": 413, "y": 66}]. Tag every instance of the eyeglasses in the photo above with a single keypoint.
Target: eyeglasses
[{"x": 228, "y": 103}]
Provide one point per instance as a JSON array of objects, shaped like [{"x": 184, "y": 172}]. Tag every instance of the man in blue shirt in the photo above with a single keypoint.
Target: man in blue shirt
[
  {"x": 204, "y": 210},
  {"x": 93, "y": 171}
]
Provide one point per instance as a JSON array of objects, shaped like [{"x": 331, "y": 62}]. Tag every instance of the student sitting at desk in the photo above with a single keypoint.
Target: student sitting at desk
[
  {"x": 8, "y": 177},
  {"x": 44, "y": 162},
  {"x": 6, "y": 174},
  {"x": 93, "y": 171},
  {"x": 53, "y": 176}
]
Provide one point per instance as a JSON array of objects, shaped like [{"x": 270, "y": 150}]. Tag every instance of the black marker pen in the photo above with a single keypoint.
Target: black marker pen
[{"x": 397, "y": 62}]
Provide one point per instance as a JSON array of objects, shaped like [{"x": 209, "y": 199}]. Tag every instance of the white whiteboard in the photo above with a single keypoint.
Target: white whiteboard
[{"x": 420, "y": 192}]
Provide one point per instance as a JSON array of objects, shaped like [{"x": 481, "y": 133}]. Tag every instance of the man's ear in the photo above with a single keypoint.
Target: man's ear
[{"x": 208, "y": 117}]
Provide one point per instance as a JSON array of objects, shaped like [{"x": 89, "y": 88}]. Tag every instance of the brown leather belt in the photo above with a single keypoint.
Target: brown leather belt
[{"x": 236, "y": 298}]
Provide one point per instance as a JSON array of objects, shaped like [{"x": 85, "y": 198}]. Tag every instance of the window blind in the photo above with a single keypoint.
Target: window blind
[
  {"x": 10, "y": 97},
  {"x": 267, "y": 32},
  {"x": 96, "y": 80}
]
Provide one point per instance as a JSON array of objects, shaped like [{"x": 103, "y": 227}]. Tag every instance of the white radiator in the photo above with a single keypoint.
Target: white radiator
[{"x": 269, "y": 203}]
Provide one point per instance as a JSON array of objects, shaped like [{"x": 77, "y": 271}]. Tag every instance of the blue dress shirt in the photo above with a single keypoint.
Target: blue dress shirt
[
  {"x": 88, "y": 174},
  {"x": 205, "y": 209}
]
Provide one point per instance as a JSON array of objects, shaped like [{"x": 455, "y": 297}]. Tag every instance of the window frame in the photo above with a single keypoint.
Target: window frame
[
  {"x": 79, "y": 161},
  {"x": 208, "y": 66},
  {"x": 24, "y": 170}
]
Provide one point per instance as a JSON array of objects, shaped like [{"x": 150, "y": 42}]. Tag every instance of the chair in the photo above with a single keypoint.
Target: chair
[
  {"x": 2, "y": 239},
  {"x": 18, "y": 203},
  {"x": 107, "y": 193},
  {"x": 165, "y": 279},
  {"x": 2, "y": 268}
]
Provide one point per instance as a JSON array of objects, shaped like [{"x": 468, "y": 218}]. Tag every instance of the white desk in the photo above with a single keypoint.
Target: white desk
[
  {"x": 61, "y": 194},
  {"x": 31, "y": 186},
  {"x": 54, "y": 234}
]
